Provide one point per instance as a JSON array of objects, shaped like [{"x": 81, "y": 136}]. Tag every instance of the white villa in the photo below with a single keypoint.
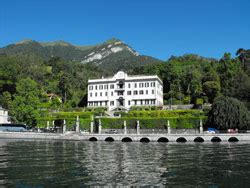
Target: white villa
[
  {"x": 4, "y": 118},
  {"x": 122, "y": 91}
]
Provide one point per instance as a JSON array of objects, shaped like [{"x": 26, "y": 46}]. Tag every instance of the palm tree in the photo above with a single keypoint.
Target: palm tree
[{"x": 241, "y": 53}]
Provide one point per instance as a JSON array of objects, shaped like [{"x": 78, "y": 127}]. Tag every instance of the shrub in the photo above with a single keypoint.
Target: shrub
[
  {"x": 150, "y": 123},
  {"x": 228, "y": 113}
]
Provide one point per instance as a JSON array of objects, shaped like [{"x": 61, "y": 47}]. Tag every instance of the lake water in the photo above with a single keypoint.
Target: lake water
[{"x": 25, "y": 163}]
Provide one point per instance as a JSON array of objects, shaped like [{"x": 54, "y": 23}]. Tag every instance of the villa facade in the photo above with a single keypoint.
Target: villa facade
[{"x": 122, "y": 91}]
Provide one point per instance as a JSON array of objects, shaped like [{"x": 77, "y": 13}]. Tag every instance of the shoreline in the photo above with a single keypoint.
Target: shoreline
[{"x": 220, "y": 137}]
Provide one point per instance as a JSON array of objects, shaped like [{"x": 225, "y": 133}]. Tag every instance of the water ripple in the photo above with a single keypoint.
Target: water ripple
[{"x": 79, "y": 164}]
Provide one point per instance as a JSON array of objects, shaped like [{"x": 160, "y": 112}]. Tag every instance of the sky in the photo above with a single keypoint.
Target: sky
[{"x": 158, "y": 28}]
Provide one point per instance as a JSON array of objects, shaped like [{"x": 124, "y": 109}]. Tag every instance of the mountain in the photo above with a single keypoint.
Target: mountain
[{"x": 112, "y": 55}]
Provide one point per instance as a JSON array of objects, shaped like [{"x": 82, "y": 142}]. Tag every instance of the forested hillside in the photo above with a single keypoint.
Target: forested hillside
[
  {"x": 112, "y": 55},
  {"x": 32, "y": 81}
]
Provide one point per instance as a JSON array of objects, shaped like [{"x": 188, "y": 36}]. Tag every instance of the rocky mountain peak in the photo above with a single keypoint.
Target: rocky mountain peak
[{"x": 108, "y": 48}]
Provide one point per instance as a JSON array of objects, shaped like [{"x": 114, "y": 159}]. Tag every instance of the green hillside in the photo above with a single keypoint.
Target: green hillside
[
  {"x": 36, "y": 78},
  {"x": 107, "y": 59}
]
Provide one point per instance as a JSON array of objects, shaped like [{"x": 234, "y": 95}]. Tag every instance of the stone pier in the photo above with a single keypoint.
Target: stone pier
[{"x": 171, "y": 138}]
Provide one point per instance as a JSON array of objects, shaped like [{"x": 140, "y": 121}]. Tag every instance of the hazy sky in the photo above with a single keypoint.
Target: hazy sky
[{"x": 158, "y": 28}]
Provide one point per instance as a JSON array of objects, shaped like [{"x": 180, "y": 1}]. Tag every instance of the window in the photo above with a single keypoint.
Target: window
[
  {"x": 152, "y": 101},
  {"x": 106, "y": 86},
  {"x": 96, "y": 104},
  {"x": 146, "y": 92},
  {"x": 135, "y": 92},
  {"x": 90, "y": 87},
  {"x": 135, "y": 102},
  {"x": 106, "y": 93},
  {"x": 141, "y": 85},
  {"x": 112, "y": 86},
  {"x": 112, "y": 93},
  {"x": 112, "y": 103},
  {"x": 128, "y": 102},
  {"x": 147, "y": 84},
  {"x": 153, "y": 91},
  {"x": 141, "y": 92},
  {"x": 106, "y": 103},
  {"x": 90, "y": 94},
  {"x": 119, "y": 93},
  {"x": 152, "y": 84},
  {"x": 128, "y": 92},
  {"x": 128, "y": 85},
  {"x": 135, "y": 85},
  {"x": 96, "y": 94},
  {"x": 100, "y": 87},
  {"x": 100, "y": 94},
  {"x": 141, "y": 102},
  {"x": 96, "y": 88}
]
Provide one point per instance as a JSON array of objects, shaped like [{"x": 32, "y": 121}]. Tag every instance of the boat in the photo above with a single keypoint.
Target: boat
[{"x": 13, "y": 127}]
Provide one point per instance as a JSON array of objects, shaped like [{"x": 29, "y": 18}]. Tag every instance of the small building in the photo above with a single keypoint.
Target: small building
[
  {"x": 4, "y": 117},
  {"x": 123, "y": 91}
]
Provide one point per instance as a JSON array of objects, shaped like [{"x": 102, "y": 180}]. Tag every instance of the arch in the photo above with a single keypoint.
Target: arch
[
  {"x": 199, "y": 139},
  {"x": 109, "y": 139},
  {"x": 233, "y": 139},
  {"x": 216, "y": 139},
  {"x": 93, "y": 139},
  {"x": 127, "y": 139},
  {"x": 144, "y": 139},
  {"x": 162, "y": 139},
  {"x": 181, "y": 140}
]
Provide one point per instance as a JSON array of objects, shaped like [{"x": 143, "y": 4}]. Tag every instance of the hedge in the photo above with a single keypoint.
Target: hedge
[
  {"x": 164, "y": 113},
  {"x": 151, "y": 123},
  {"x": 84, "y": 123}
]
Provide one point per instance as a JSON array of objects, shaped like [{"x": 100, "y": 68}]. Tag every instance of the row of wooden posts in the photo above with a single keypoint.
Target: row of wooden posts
[{"x": 77, "y": 127}]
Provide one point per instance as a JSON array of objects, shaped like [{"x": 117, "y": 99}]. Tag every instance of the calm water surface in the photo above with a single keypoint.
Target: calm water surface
[{"x": 80, "y": 164}]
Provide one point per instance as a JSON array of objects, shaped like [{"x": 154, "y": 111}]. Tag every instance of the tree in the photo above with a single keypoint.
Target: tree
[
  {"x": 241, "y": 53},
  {"x": 227, "y": 69},
  {"x": 64, "y": 86},
  {"x": 211, "y": 89},
  {"x": 6, "y": 100},
  {"x": 26, "y": 100},
  {"x": 228, "y": 113},
  {"x": 241, "y": 87}
]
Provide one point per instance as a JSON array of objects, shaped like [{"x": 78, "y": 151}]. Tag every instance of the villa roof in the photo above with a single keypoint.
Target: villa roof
[{"x": 122, "y": 75}]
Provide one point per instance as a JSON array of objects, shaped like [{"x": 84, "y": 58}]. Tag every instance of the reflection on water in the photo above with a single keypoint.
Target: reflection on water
[{"x": 64, "y": 163}]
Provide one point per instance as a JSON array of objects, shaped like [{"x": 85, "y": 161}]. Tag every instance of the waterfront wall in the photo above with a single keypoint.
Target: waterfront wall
[{"x": 129, "y": 137}]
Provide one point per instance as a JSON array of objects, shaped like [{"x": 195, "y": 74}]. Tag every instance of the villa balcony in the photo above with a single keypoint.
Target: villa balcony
[{"x": 119, "y": 88}]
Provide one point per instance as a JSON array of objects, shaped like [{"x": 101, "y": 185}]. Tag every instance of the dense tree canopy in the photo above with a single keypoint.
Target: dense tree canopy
[
  {"x": 26, "y": 101},
  {"x": 186, "y": 79},
  {"x": 228, "y": 113}
]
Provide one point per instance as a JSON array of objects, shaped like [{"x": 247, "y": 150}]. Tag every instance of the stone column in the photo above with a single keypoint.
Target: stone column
[
  {"x": 125, "y": 127},
  {"x": 201, "y": 127},
  {"x": 77, "y": 124},
  {"x": 92, "y": 125},
  {"x": 64, "y": 126},
  {"x": 169, "y": 129},
  {"x": 100, "y": 127},
  {"x": 138, "y": 127},
  {"x": 53, "y": 124},
  {"x": 47, "y": 125}
]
